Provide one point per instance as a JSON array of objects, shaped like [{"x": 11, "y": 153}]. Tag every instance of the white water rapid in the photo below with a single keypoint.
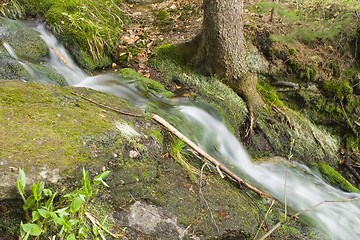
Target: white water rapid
[{"x": 304, "y": 188}]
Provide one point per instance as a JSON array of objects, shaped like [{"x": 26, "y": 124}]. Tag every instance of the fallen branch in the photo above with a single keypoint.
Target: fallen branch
[
  {"x": 217, "y": 164},
  {"x": 303, "y": 211},
  {"x": 66, "y": 62},
  {"x": 104, "y": 106}
]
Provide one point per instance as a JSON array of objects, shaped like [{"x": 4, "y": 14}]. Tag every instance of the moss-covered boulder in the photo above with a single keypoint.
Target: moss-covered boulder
[
  {"x": 23, "y": 54},
  {"x": 25, "y": 42},
  {"x": 51, "y": 134}
]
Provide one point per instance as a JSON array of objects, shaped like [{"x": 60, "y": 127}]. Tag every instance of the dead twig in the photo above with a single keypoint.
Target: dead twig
[
  {"x": 263, "y": 222},
  {"x": 196, "y": 220},
  {"x": 217, "y": 164},
  {"x": 206, "y": 203},
  {"x": 104, "y": 106},
  {"x": 304, "y": 211},
  {"x": 95, "y": 222}
]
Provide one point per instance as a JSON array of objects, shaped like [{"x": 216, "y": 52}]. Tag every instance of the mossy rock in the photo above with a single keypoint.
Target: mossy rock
[
  {"x": 336, "y": 179},
  {"x": 46, "y": 129},
  {"x": 89, "y": 29},
  {"x": 145, "y": 85},
  {"x": 11, "y": 69},
  {"x": 51, "y": 134},
  {"x": 25, "y": 42}
]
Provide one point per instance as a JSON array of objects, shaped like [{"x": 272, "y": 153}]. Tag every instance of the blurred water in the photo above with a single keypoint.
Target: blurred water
[{"x": 304, "y": 188}]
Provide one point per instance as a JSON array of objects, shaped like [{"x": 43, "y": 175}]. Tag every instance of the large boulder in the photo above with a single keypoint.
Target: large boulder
[{"x": 51, "y": 134}]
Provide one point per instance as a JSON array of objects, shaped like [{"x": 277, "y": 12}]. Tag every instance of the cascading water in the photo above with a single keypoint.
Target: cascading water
[{"x": 304, "y": 188}]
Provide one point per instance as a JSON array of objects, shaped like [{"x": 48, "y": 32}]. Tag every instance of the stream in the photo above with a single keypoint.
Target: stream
[{"x": 338, "y": 219}]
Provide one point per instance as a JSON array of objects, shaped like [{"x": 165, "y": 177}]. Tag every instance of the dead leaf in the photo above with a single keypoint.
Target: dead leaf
[
  {"x": 130, "y": 57},
  {"x": 141, "y": 59}
]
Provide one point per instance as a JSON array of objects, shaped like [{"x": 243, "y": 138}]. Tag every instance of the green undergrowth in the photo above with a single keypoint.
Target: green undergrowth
[
  {"x": 312, "y": 21},
  {"x": 270, "y": 94},
  {"x": 211, "y": 90},
  {"x": 336, "y": 179},
  {"x": 89, "y": 29}
]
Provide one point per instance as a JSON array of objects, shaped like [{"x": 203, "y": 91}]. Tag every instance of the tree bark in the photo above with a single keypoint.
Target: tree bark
[
  {"x": 220, "y": 50},
  {"x": 222, "y": 46}
]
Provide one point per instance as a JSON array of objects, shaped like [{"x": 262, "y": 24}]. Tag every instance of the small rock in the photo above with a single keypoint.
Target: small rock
[{"x": 134, "y": 154}]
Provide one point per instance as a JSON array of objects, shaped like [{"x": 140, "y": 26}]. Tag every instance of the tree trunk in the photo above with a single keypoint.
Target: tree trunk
[{"x": 220, "y": 49}]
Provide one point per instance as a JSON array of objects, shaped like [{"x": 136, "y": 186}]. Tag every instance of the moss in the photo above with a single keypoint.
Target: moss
[
  {"x": 163, "y": 21},
  {"x": 50, "y": 122},
  {"x": 269, "y": 93},
  {"x": 89, "y": 29},
  {"x": 168, "y": 51},
  {"x": 146, "y": 85},
  {"x": 292, "y": 51},
  {"x": 210, "y": 90},
  {"x": 334, "y": 88},
  {"x": 9, "y": 226},
  {"x": 336, "y": 179}
]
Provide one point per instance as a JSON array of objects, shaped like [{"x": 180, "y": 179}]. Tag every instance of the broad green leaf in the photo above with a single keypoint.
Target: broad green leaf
[
  {"x": 70, "y": 196},
  {"x": 44, "y": 213},
  {"x": 73, "y": 222},
  {"x": 30, "y": 203},
  {"x": 71, "y": 237},
  {"x": 33, "y": 229},
  {"x": 67, "y": 226},
  {"x": 100, "y": 178},
  {"x": 76, "y": 204},
  {"x": 62, "y": 212},
  {"x": 47, "y": 192},
  {"x": 49, "y": 202},
  {"x": 21, "y": 182},
  {"x": 56, "y": 218},
  {"x": 35, "y": 215},
  {"x": 37, "y": 190},
  {"x": 86, "y": 183}
]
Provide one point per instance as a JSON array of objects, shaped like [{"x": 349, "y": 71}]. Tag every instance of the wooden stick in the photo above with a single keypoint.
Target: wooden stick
[
  {"x": 61, "y": 57},
  {"x": 104, "y": 106},
  {"x": 217, "y": 164}
]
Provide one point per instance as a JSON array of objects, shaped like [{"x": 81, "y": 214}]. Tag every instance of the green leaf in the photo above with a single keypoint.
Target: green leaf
[
  {"x": 76, "y": 204},
  {"x": 21, "y": 182},
  {"x": 47, "y": 192},
  {"x": 70, "y": 196},
  {"x": 44, "y": 213},
  {"x": 35, "y": 215},
  {"x": 100, "y": 178},
  {"x": 37, "y": 190},
  {"x": 71, "y": 237},
  {"x": 56, "y": 219},
  {"x": 50, "y": 201},
  {"x": 86, "y": 183},
  {"x": 62, "y": 212},
  {"x": 30, "y": 203},
  {"x": 32, "y": 229}
]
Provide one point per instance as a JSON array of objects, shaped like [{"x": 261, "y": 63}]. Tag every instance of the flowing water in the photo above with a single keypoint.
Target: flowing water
[{"x": 304, "y": 188}]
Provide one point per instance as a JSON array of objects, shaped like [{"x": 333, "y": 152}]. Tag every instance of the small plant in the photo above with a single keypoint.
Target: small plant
[{"x": 68, "y": 221}]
